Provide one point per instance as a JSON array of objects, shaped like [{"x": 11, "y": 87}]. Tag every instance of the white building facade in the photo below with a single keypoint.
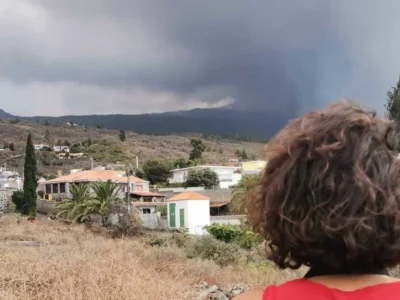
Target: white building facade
[
  {"x": 227, "y": 175},
  {"x": 190, "y": 211}
]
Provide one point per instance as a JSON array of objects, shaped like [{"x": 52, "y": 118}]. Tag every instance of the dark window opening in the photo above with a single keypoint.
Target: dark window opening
[
  {"x": 48, "y": 188},
  {"x": 55, "y": 188},
  {"x": 146, "y": 210},
  {"x": 62, "y": 187}
]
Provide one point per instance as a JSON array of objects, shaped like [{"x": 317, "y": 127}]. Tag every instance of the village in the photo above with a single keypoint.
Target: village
[{"x": 178, "y": 206}]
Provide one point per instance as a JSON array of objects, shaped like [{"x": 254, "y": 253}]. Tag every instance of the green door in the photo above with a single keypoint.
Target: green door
[
  {"x": 172, "y": 215},
  {"x": 182, "y": 218}
]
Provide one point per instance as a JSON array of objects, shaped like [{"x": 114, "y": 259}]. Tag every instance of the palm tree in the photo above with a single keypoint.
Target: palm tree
[
  {"x": 73, "y": 208},
  {"x": 240, "y": 194},
  {"x": 106, "y": 196}
]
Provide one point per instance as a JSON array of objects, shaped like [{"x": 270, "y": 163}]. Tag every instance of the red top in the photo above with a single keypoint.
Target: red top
[{"x": 303, "y": 289}]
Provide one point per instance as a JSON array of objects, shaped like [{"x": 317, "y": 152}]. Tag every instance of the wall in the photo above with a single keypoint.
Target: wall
[
  {"x": 228, "y": 219},
  {"x": 45, "y": 206},
  {"x": 4, "y": 200},
  {"x": 198, "y": 216},
  {"x": 152, "y": 221}
]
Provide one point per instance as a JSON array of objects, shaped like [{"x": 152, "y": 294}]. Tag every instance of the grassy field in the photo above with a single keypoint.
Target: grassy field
[
  {"x": 66, "y": 262},
  {"x": 109, "y": 149}
]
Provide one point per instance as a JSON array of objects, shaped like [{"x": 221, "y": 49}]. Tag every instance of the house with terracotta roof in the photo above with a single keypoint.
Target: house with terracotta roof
[
  {"x": 139, "y": 188},
  {"x": 189, "y": 210}
]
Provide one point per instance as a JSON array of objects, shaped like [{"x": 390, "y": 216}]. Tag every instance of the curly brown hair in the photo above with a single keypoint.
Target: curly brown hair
[{"x": 330, "y": 192}]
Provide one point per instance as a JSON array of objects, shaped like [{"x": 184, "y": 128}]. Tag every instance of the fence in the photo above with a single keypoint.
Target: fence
[
  {"x": 227, "y": 219},
  {"x": 45, "y": 206}
]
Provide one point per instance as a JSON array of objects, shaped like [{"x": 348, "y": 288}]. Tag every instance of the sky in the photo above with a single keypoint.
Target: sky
[{"x": 60, "y": 57}]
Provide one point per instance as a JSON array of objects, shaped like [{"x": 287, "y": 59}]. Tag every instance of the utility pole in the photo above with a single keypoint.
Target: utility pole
[
  {"x": 129, "y": 171},
  {"x": 91, "y": 163}
]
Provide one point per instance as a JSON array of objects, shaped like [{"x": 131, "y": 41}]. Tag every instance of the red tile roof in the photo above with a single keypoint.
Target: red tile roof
[
  {"x": 188, "y": 196},
  {"x": 93, "y": 175}
]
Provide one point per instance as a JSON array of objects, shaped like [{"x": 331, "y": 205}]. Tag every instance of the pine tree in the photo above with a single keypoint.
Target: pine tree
[
  {"x": 393, "y": 104},
  {"x": 30, "y": 183}
]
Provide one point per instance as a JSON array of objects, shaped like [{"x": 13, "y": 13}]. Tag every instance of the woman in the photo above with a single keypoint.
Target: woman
[{"x": 330, "y": 201}]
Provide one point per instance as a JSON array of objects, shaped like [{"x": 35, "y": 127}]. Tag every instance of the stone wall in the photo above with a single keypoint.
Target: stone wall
[{"x": 4, "y": 200}]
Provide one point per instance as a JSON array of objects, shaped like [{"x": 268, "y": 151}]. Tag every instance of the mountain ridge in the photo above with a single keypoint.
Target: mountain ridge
[{"x": 258, "y": 124}]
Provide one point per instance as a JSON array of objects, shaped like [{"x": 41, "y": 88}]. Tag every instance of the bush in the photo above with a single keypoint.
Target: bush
[
  {"x": 179, "y": 240},
  {"x": 18, "y": 199},
  {"x": 40, "y": 193},
  {"x": 130, "y": 225},
  {"x": 12, "y": 208},
  {"x": 240, "y": 235},
  {"x": 207, "y": 247},
  {"x": 224, "y": 232}
]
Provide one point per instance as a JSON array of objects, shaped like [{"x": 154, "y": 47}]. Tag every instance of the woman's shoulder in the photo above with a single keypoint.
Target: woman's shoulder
[
  {"x": 271, "y": 292},
  {"x": 251, "y": 295}
]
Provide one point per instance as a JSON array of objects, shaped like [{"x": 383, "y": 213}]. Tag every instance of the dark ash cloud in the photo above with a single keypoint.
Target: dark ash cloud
[{"x": 100, "y": 56}]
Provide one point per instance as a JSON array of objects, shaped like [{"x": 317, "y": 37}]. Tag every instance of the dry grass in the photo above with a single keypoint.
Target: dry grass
[
  {"x": 70, "y": 262},
  {"x": 145, "y": 146}
]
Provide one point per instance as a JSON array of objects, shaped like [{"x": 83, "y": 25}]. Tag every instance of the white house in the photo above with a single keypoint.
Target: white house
[
  {"x": 190, "y": 211},
  {"x": 227, "y": 175},
  {"x": 61, "y": 149},
  {"x": 40, "y": 146}
]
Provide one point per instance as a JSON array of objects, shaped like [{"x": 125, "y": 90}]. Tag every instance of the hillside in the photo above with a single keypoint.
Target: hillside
[
  {"x": 219, "y": 121},
  {"x": 107, "y": 148}
]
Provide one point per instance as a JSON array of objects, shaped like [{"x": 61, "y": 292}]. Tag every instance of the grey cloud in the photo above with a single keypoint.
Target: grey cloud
[{"x": 142, "y": 56}]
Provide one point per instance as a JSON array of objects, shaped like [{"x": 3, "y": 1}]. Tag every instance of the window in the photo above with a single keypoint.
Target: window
[
  {"x": 48, "y": 188},
  {"x": 139, "y": 188},
  {"x": 146, "y": 211},
  {"x": 55, "y": 188},
  {"x": 62, "y": 187}
]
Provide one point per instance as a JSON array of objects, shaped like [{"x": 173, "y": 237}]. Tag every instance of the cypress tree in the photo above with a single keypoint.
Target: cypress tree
[{"x": 30, "y": 183}]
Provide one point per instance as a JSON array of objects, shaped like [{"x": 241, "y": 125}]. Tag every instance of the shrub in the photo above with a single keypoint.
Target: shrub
[
  {"x": 18, "y": 199},
  {"x": 157, "y": 241},
  {"x": 207, "y": 247},
  {"x": 240, "y": 235},
  {"x": 130, "y": 225},
  {"x": 12, "y": 208},
  {"x": 40, "y": 193},
  {"x": 224, "y": 232},
  {"x": 180, "y": 240}
]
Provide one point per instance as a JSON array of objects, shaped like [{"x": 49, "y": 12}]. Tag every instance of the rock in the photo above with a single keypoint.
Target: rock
[
  {"x": 235, "y": 293},
  {"x": 205, "y": 294},
  {"x": 217, "y": 295},
  {"x": 214, "y": 292},
  {"x": 214, "y": 288}
]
